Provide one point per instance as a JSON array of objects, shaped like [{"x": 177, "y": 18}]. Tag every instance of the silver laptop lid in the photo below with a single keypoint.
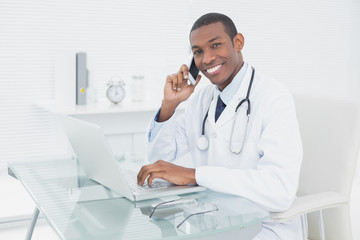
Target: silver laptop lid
[
  {"x": 94, "y": 153},
  {"x": 99, "y": 163}
]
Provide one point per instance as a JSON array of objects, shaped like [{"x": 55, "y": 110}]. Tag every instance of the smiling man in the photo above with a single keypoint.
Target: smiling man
[{"x": 241, "y": 130}]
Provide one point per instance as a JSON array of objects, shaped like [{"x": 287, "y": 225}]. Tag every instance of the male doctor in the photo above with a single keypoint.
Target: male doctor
[{"x": 253, "y": 150}]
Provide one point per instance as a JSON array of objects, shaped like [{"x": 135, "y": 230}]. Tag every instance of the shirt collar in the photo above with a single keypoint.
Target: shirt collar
[{"x": 230, "y": 90}]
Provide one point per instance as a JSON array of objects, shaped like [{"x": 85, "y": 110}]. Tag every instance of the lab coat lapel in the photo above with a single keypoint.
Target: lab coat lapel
[
  {"x": 211, "y": 115},
  {"x": 229, "y": 111}
]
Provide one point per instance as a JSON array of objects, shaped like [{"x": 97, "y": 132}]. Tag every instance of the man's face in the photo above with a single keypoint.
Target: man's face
[{"x": 216, "y": 55}]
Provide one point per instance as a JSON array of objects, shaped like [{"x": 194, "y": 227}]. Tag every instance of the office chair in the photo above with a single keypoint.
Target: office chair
[{"x": 330, "y": 130}]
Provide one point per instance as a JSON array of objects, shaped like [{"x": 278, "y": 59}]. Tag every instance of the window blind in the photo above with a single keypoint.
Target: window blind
[
  {"x": 310, "y": 46},
  {"x": 121, "y": 38}
]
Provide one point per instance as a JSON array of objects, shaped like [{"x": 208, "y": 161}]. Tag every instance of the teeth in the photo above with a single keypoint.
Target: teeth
[{"x": 213, "y": 69}]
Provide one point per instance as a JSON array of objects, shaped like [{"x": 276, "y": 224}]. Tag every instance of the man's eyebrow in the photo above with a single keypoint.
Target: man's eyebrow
[
  {"x": 210, "y": 41},
  {"x": 214, "y": 39}
]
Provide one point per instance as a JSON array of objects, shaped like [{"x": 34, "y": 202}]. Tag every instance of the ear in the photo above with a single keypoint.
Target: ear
[{"x": 239, "y": 42}]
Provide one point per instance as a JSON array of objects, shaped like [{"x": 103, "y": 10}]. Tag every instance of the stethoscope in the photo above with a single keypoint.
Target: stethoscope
[{"x": 242, "y": 112}]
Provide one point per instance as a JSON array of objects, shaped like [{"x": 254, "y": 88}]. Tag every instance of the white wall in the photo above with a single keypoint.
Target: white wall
[{"x": 311, "y": 46}]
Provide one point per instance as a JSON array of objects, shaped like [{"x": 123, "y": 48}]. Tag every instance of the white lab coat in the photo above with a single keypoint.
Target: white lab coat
[{"x": 267, "y": 169}]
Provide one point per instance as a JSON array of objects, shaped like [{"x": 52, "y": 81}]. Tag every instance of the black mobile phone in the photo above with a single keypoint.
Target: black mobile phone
[{"x": 194, "y": 72}]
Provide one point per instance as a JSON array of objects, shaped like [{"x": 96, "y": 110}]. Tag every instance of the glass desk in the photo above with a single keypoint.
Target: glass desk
[{"x": 79, "y": 208}]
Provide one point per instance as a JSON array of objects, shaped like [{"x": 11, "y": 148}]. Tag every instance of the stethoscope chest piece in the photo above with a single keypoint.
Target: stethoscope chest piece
[{"x": 202, "y": 143}]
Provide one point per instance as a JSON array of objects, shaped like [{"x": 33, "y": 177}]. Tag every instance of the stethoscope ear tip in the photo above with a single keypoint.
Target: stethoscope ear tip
[{"x": 202, "y": 143}]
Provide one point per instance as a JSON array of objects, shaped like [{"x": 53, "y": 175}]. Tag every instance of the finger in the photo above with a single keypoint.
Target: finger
[
  {"x": 197, "y": 80},
  {"x": 146, "y": 171},
  {"x": 170, "y": 81},
  {"x": 185, "y": 72},
  {"x": 140, "y": 176},
  {"x": 143, "y": 174},
  {"x": 175, "y": 82},
  {"x": 192, "y": 87},
  {"x": 182, "y": 76},
  {"x": 154, "y": 175},
  {"x": 179, "y": 78}
]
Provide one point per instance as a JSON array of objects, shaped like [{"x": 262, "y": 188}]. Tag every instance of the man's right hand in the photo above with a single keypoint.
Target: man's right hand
[{"x": 176, "y": 90}]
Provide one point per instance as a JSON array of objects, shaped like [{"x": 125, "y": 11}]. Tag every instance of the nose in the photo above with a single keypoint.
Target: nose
[{"x": 208, "y": 56}]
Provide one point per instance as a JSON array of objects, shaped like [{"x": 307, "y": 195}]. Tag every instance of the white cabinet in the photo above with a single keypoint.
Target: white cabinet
[
  {"x": 124, "y": 130},
  {"x": 124, "y": 124}
]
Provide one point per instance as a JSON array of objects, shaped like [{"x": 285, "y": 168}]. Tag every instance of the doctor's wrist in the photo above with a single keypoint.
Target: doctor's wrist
[{"x": 166, "y": 111}]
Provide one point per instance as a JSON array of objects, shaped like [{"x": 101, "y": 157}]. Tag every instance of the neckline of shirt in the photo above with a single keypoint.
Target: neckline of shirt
[{"x": 230, "y": 90}]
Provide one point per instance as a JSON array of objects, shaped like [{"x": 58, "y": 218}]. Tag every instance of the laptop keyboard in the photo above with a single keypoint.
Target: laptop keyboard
[{"x": 131, "y": 178}]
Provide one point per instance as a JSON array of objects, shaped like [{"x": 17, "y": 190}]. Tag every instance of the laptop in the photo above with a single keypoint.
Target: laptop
[{"x": 99, "y": 163}]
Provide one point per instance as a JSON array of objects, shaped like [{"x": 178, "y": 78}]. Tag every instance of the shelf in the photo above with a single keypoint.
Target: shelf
[{"x": 100, "y": 107}]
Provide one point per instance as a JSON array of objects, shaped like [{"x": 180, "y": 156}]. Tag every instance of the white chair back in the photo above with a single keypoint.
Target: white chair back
[{"x": 330, "y": 130}]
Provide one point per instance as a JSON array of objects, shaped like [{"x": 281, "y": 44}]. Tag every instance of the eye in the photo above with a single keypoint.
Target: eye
[
  {"x": 196, "y": 52},
  {"x": 216, "y": 45}
]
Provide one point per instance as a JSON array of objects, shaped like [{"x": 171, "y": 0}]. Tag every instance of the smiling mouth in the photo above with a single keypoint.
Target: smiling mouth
[{"x": 213, "y": 69}]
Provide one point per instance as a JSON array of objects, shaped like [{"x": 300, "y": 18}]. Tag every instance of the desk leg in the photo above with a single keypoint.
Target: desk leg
[{"x": 31, "y": 227}]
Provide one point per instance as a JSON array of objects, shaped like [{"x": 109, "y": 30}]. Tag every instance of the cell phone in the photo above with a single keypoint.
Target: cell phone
[{"x": 193, "y": 72}]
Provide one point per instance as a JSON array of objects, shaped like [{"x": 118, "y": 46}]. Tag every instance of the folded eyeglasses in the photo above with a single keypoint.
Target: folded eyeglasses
[{"x": 205, "y": 207}]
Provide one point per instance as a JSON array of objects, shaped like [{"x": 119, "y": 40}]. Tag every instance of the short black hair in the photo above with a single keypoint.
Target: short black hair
[{"x": 211, "y": 18}]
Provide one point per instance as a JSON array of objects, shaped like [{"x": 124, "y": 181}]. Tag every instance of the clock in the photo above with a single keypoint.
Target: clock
[{"x": 115, "y": 92}]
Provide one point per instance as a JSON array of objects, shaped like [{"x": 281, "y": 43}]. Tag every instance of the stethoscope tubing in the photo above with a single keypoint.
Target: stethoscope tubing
[{"x": 246, "y": 99}]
